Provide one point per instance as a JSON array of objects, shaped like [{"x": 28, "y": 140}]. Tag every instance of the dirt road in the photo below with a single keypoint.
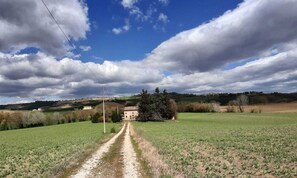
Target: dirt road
[
  {"x": 130, "y": 161},
  {"x": 129, "y": 167}
]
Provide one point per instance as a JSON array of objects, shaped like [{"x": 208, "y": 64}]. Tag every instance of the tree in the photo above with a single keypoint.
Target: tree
[
  {"x": 144, "y": 109},
  {"x": 96, "y": 117},
  {"x": 172, "y": 110},
  {"x": 115, "y": 117},
  {"x": 156, "y": 107},
  {"x": 242, "y": 100}
]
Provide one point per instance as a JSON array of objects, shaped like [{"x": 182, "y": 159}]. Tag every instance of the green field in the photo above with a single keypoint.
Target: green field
[
  {"x": 227, "y": 144},
  {"x": 35, "y": 151}
]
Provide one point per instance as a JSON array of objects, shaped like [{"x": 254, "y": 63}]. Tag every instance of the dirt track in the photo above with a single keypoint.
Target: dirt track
[
  {"x": 93, "y": 166},
  {"x": 130, "y": 160}
]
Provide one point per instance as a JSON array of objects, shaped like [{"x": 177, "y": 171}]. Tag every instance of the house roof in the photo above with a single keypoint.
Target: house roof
[{"x": 131, "y": 108}]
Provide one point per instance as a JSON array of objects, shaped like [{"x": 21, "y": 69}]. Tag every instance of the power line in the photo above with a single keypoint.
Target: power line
[
  {"x": 67, "y": 38},
  {"x": 69, "y": 41},
  {"x": 57, "y": 24}
]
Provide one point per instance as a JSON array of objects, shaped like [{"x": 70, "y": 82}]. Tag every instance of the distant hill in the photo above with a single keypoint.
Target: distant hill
[
  {"x": 54, "y": 105},
  {"x": 222, "y": 98},
  {"x": 225, "y": 98}
]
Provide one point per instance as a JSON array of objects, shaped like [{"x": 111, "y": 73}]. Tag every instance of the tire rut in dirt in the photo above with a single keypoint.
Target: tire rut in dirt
[
  {"x": 131, "y": 166},
  {"x": 111, "y": 164},
  {"x": 91, "y": 164}
]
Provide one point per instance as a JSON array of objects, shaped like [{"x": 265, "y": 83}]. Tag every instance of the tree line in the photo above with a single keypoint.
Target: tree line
[{"x": 25, "y": 119}]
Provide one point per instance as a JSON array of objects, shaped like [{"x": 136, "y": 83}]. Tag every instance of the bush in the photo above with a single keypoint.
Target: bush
[
  {"x": 81, "y": 115},
  {"x": 216, "y": 107},
  {"x": 231, "y": 108},
  {"x": 172, "y": 109},
  {"x": 3, "y": 121},
  {"x": 256, "y": 110},
  {"x": 198, "y": 107},
  {"x": 15, "y": 120},
  {"x": 37, "y": 119},
  {"x": 96, "y": 117},
  {"x": 112, "y": 130},
  {"x": 26, "y": 119},
  {"x": 70, "y": 117},
  {"x": 115, "y": 117},
  {"x": 49, "y": 120}
]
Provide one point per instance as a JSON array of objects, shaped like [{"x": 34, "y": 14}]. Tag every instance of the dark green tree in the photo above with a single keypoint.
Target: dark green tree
[
  {"x": 156, "y": 107},
  {"x": 144, "y": 109},
  {"x": 96, "y": 117},
  {"x": 115, "y": 117}
]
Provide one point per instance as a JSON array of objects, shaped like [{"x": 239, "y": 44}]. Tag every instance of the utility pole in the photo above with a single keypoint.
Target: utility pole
[{"x": 103, "y": 105}]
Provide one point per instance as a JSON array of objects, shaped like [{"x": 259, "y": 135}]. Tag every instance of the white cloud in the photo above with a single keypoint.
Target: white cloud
[
  {"x": 28, "y": 24},
  {"x": 165, "y": 2},
  {"x": 140, "y": 13},
  {"x": 117, "y": 31},
  {"x": 128, "y": 3},
  {"x": 85, "y": 48},
  {"x": 264, "y": 30},
  {"x": 33, "y": 76},
  {"x": 132, "y": 8},
  {"x": 163, "y": 18},
  {"x": 268, "y": 74},
  {"x": 250, "y": 30},
  {"x": 122, "y": 29}
]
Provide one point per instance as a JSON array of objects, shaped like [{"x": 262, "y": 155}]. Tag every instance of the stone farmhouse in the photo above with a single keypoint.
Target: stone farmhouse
[{"x": 130, "y": 113}]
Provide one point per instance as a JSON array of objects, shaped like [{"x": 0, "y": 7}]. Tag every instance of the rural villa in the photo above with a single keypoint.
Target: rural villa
[
  {"x": 130, "y": 113},
  {"x": 87, "y": 108}
]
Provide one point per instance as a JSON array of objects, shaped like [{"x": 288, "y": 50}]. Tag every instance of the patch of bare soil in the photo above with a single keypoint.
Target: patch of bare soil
[
  {"x": 276, "y": 107},
  {"x": 269, "y": 108}
]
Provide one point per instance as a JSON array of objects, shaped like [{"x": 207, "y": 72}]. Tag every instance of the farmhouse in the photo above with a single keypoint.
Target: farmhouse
[
  {"x": 87, "y": 107},
  {"x": 130, "y": 113}
]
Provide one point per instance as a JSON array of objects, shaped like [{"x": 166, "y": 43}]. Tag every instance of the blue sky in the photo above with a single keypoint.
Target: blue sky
[
  {"x": 125, "y": 46},
  {"x": 136, "y": 43}
]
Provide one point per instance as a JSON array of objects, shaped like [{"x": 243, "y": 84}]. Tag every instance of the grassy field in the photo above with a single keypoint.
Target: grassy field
[
  {"x": 35, "y": 151},
  {"x": 227, "y": 144}
]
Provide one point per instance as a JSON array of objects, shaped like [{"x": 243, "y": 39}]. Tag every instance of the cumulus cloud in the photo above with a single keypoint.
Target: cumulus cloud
[
  {"x": 33, "y": 75},
  {"x": 122, "y": 29},
  {"x": 190, "y": 62},
  {"x": 128, "y": 3},
  {"x": 250, "y": 30},
  {"x": 85, "y": 48},
  {"x": 268, "y": 74},
  {"x": 143, "y": 13},
  {"x": 132, "y": 8},
  {"x": 28, "y": 24},
  {"x": 40, "y": 75},
  {"x": 163, "y": 18}
]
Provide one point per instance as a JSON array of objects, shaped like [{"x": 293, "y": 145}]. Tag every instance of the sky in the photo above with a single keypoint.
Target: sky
[{"x": 124, "y": 46}]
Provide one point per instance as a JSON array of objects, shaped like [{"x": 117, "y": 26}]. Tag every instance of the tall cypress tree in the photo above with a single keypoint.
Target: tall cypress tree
[{"x": 145, "y": 111}]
